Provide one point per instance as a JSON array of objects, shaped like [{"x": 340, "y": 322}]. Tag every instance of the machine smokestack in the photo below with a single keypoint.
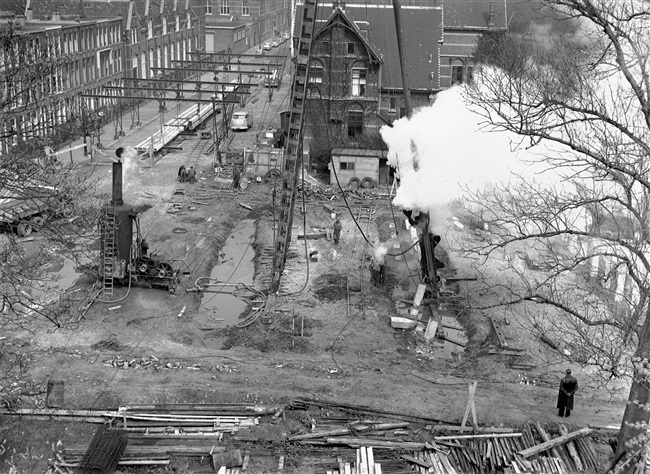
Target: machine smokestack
[{"x": 117, "y": 180}]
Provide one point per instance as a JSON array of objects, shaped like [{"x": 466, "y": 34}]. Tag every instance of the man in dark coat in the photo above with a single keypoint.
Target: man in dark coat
[
  {"x": 338, "y": 227},
  {"x": 568, "y": 386},
  {"x": 236, "y": 177}
]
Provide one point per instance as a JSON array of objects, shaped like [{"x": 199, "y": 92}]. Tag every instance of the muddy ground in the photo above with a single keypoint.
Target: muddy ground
[{"x": 348, "y": 352}]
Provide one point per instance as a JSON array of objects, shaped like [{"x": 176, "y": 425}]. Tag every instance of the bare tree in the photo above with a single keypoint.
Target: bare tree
[
  {"x": 38, "y": 191},
  {"x": 583, "y": 101}
]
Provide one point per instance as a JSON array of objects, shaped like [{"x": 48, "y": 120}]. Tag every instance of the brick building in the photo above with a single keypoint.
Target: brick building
[
  {"x": 239, "y": 25},
  {"x": 464, "y": 23},
  {"x": 97, "y": 44},
  {"x": 55, "y": 60}
]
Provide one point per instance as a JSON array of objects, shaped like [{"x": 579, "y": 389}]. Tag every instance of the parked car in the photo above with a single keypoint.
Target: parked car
[
  {"x": 285, "y": 36},
  {"x": 241, "y": 120},
  {"x": 275, "y": 43},
  {"x": 267, "y": 46},
  {"x": 260, "y": 51}
]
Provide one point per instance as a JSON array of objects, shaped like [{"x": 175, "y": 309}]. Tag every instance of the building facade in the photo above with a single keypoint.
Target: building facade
[
  {"x": 464, "y": 23},
  {"x": 90, "y": 45},
  {"x": 344, "y": 81},
  {"x": 50, "y": 64},
  {"x": 239, "y": 25}
]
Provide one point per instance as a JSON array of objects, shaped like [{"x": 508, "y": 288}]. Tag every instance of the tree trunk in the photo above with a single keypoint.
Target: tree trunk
[{"x": 634, "y": 428}]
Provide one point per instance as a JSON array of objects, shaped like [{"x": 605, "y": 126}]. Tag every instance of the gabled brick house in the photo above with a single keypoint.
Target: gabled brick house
[{"x": 344, "y": 81}]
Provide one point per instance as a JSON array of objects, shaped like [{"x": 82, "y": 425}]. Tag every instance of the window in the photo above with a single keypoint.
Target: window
[
  {"x": 150, "y": 28},
  {"x": 208, "y": 7},
  {"x": 351, "y": 48},
  {"x": 134, "y": 35},
  {"x": 326, "y": 47},
  {"x": 359, "y": 82},
  {"x": 355, "y": 122},
  {"x": 316, "y": 73},
  {"x": 178, "y": 23},
  {"x": 347, "y": 166},
  {"x": 457, "y": 72},
  {"x": 225, "y": 7},
  {"x": 164, "y": 25},
  {"x": 246, "y": 8},
  {"x": 392, "y": 103}
]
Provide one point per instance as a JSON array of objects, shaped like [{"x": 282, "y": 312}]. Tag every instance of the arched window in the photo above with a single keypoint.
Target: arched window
[
  {"x": 152, "y": 56},
  {"x": 143, "y": 65},
  {"x": 355, "y": 120}
]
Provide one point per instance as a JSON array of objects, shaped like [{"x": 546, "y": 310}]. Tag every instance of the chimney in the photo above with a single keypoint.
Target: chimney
[
  {"x": 56, "y": 16},
  {"x": 117, "y": 179},
  {"x": 29, "y": 14},
  {"x": 492, "y": 14}
]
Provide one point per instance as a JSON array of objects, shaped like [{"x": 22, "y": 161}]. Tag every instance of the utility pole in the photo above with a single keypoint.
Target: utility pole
[
  {"x": 429, "y": 253},
  {"x": 397, "y": 11}
]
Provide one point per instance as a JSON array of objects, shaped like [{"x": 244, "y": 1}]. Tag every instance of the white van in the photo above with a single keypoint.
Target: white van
[{"x": 241, "y": 121}]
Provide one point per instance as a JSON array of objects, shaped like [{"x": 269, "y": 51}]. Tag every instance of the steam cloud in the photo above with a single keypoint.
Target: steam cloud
[
  {"x": 446, "y": 148},
  {"x": 129, "y": 163}
]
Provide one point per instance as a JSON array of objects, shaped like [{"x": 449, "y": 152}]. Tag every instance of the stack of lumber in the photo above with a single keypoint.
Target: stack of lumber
[{"x": 365, "y": 464}]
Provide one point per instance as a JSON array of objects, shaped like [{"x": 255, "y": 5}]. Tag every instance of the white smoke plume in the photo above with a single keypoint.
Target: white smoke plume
[
  {"x": 446, "y": 148},
  {"x": 380, "y": 252},
  {"x": 129, "y": 164}
]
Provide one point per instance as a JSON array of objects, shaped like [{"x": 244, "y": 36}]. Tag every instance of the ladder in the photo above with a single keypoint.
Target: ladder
[
  {"x": 108, "y": 256},
  {"x": 293, "y": 155}
]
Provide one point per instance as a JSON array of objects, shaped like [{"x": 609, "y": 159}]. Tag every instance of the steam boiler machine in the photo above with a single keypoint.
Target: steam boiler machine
[{"x": 125, "y": 256}]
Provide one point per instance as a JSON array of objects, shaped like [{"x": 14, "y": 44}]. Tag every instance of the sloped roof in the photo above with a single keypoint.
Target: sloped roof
[
  {"x": 422, "y": 30},
  {"x": 422, "y": 26},
  {"x": 345, "y": 17},
  {"x": 475, "y": 14}
]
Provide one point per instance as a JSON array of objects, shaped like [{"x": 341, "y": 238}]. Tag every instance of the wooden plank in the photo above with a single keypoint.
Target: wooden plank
[
  {"x": 470, "y": 406},
  {"x": 376, "y": 443},
  {"x": 361, "y": 427},
  {"x": 415, "y": 460},
  {"x": 419, "y": 295},
  {"x": 555, "y": 451},
  {"x": 497, "y": 329},
  {"x": 371, "y": 460},
  {"x": 573, "y": 452},
  {"x": 555, "y": 442},
  {"x": 482, "y": 429},
  {"x": 432, "y": 327},
  {"x": 478, "y": 436},
  {"x": 364, "y": 461}
]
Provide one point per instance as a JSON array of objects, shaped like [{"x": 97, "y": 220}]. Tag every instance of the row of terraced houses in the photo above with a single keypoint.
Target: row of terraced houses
[{"x": 355, "y": 70}]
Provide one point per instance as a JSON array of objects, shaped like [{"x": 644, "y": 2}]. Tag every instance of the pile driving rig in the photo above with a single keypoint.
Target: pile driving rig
[{"x": 125, "y": 256}]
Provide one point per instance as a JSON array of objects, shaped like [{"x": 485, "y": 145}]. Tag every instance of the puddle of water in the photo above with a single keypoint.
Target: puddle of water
[
  {"x": 219, "y": 304},
  {"x": 60, "y": 276}
]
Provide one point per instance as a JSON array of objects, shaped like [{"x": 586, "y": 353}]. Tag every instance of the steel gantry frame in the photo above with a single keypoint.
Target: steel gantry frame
[{"x": 293, "y": 156}]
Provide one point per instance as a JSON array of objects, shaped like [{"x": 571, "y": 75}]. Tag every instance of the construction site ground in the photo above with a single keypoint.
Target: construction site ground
[{"x": 348, "y": 351}]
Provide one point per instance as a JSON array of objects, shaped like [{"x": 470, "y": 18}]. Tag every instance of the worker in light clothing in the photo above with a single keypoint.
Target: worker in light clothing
[
  {"x": 568, "y": 386},
  {"x": 338, "y": 227}
]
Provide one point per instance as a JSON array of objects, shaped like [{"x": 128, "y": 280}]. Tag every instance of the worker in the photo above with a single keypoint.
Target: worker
[
  {"x": 338, "y": 227},
  {"x": 182, "y": 174},
  {"x": 382, "y": 274},
  {"x": 236, "y": 177},
  {"x": 374, "y": 272},
  {"x": 568, "y": 386},
  {"x": 144, "y": 248},
  {"x": 191, "y": 175}
]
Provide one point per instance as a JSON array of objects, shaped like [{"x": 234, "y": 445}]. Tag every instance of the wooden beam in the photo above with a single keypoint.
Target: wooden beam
[
  {"x": 555, "y": 442},
  {"x": 470, "y": 407},
  {"x": 573, "y": 452},
  {"x": 477, "y": 436}
]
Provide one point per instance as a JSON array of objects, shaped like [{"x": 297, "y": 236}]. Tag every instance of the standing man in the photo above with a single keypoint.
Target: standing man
[
  {"x": 236, "y": 177},
  {"x": 337, "y": 230},
  {"x": 192, "y": 175},
  {"x": 568, "y": 386}
]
